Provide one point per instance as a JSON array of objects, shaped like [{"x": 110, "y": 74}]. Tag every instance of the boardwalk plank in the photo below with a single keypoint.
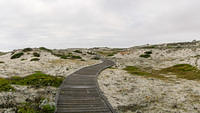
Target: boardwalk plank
[{"x": 80, "y": 93}]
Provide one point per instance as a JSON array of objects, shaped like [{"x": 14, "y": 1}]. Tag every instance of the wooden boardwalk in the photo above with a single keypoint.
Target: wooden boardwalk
[{"x": 80, "y": 92}]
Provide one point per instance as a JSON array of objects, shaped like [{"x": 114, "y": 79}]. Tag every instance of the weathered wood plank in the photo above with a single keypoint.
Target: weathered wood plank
[{"x": 80, "y": 92}]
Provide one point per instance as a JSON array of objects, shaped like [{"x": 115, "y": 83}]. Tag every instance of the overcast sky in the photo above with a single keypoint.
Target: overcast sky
[{"x": 91, "y": 23}]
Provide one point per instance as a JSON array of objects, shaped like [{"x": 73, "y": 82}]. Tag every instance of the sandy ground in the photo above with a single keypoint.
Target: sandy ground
[
  {"x": 135, "y": 94},
  {"x": 48, "y": 64},
  {"x": 127, "y": 93},
  {"x": 159, "y": 58}
]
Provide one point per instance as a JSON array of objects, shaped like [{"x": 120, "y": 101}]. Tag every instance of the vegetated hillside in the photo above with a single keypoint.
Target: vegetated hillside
[
  {"x": 2, "y": 53},
  {"x": 155, "y": 78},
  {"x": 30, "y": 77},
  {"x": 146, "y": 79}
]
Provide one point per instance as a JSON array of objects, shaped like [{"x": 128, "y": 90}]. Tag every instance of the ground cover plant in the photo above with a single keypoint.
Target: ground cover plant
[
  {"x": 38, "y": 79},
  {"x": 17, "y": 55},
  {"x": 184, "y": 71}
]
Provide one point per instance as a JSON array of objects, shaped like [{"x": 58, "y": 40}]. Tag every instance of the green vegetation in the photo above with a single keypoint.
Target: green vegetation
[
  {"x": 149, "y": 47},
  {"x": 26, "y": 108},
  {"x": 70, "y": 56},
  {"x": 135, "y": 70},
  {"x": 1, "y": 53},
  {"x": 64, "y": 57},
  {"x": 48, "y": 108},
  {"x": 17, "y": 55},
  {"x": 75, "y": 57},
  {"x": 145, "y": 55},
  {"x": 23, "y": 59},
  {"x": 35, "y": 59},
  {"x": 27, "y": 49},
  {"x": 107, "y": 53},
  {"x": 91, "y": 53},
  {"x": 35, "y": 54},
  {"x": 96, "y": 58},
  {"x": 140, "y": 72},
  {"x": 34, "y": 107},
  {"x": 148, "y": 52},
  {"x": 1, "y": 62},
  {"x": 37, "y": 79},
  {"x": 45, "y": 49},
  {"x": 185, "y": 71},
  {"x": 78, "y": 51},
  {"x": 5, "y": 85}
]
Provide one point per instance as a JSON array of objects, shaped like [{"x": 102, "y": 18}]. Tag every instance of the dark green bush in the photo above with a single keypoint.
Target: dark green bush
[
  {"x": 48, "y": 108},
  {"x": 17, "y": 55},
  {"x": 2, "y": 62},
  {"x": 75, "y": 57},
  {"x": 96, "y": 58},
  {"x": 91, "y": 53},
  {"x": 45, "y": 49},
  {"x": 35, "y": 59},
  {"x": 23, "y": 59},
  {"x": 35, "y": 54},
  {"x": 78, "y": 51},
  {"x": 145, "y": 55},
  {"x": 64, "y": 57},
  {"x": 148, "y": 52},
  {"x": 27, "y": 49}
]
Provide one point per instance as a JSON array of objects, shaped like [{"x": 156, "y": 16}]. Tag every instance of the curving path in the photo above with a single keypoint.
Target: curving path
[{"x": 80, "y": 92}]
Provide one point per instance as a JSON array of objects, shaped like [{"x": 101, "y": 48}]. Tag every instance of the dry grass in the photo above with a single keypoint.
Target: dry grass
[
  {"x": 184, "y": 71},
  {"x": 140, "y": 72}
]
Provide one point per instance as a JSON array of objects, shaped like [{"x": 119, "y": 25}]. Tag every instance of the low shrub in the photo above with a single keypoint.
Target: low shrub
[
  {"x": 135, "y": 70},
  {"x": 5, "y": 85},
  {"x": 27, "y": 108},
  {"x": 37, "y": 79},
  {"x": 35, "y": 59},
  {"x": 148, "y": 52},
  {"x": 150, "y": 47},
  {"x": 1, "y": 62},
  {"x": 34, "y": 107},
  {"x": 35, "y": 54},
  {"x": 17, "y": 55},
  {"x": 45, "y": 49},
  {"x": 78, "y": 51},
  {"x": 27, "y": 49},
  {"x": 141, "y": 72},
  {"x": 48, "y": 108},
  {"x": 75, "y": 57},
  {"x": 185, "y": 71},
  {"x": 23, "y": 59},
  {"x": 91, "y": 53},
  {"x": 2, "y": 53},
  {"x": 145, "y": 55},
  {"x": 96, "y": 58}
]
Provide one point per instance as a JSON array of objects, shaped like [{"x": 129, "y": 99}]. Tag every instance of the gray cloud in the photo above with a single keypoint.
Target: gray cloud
[{"x": 89, "y": 23}]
